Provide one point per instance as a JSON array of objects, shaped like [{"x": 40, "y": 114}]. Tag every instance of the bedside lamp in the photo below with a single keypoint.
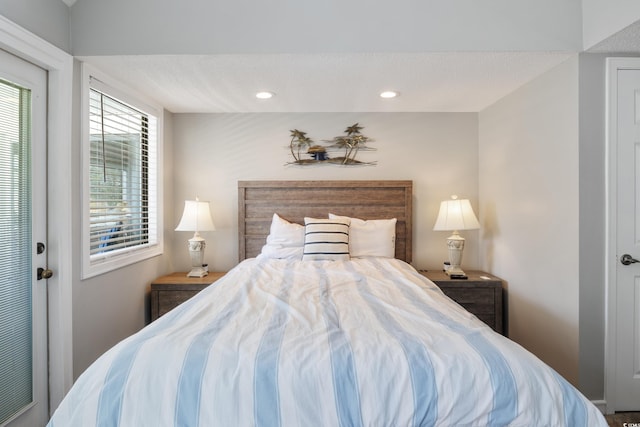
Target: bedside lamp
[
  {"x": 196, "y": 217},
  {"x": 456, "y": 215}
]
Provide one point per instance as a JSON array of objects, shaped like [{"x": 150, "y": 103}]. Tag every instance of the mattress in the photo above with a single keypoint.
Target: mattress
[{"x": 364, "y": 342}]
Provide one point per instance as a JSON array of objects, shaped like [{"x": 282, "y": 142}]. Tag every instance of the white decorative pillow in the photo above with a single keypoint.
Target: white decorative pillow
[
  {"x": 285, "y": 240},
  {"x": 325, "y": 239},
  {"x": 371, "y": 238}
]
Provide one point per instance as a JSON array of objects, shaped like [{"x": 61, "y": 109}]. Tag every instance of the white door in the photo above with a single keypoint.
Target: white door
[
  {"x": 23, "y": 303},
  {"x": 627, "y": 236}
]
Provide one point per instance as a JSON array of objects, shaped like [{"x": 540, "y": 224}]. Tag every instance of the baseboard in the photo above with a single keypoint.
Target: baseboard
[{"x": 601, "y": 405}]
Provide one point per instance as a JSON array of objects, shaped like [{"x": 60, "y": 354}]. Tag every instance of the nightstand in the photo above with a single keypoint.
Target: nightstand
[
  {"x": 480, "y": 294},
  {"x": 168, "y": 292}
]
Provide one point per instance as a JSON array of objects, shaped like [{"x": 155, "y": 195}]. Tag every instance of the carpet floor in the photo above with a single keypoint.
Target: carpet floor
[{"x": 624, "y": 419}]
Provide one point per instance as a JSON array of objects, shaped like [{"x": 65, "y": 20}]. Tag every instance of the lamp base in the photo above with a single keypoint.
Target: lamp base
[
  {"x": 198, "y": 272},
  {"x": 196, "y": 252},
  {"x": 455, "y": 244}
]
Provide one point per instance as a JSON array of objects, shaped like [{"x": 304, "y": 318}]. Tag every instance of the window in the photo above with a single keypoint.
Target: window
[
  {"x": 121, "y": 199},
  {"x": 15, "y": 249}
]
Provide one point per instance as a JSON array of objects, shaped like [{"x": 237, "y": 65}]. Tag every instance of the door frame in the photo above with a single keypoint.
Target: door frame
[
  {"x": 59, "y": 66},
  {"x": 613, "y": 65},
  {"x": 31, "y": 81}
]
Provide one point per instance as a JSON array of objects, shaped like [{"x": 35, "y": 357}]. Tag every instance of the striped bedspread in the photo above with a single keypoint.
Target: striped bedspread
[{"x": 366, "y": 342}]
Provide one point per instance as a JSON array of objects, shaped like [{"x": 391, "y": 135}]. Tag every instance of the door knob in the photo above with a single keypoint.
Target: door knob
[
  {"x": 627, "y": 259},
  {"x": 44, "y": 273}
]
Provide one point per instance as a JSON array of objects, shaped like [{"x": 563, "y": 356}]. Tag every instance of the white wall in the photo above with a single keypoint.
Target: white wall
[
  {"x": 603, "y": 18},
  {"x": 289, "y": 26},
  {"x": 48, "y": 19},
  {"x": 592, "y": 224},
  {"x": 213, "y": 151},
  {"x": 529, "y": 212}
]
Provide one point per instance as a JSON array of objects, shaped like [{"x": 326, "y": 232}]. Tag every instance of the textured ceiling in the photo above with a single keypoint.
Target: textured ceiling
[
  {"x": 427, "y": 82},
  {"x": 624, "y": 41}
]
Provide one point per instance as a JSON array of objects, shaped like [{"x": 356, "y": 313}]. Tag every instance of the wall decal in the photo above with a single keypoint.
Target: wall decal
[{"x": 346, "y": 147}]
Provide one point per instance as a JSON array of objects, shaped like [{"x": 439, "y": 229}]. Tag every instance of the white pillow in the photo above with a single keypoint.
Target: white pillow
[
  {"x": 285, "y": 240},
  {"x": 371, "y": 238},
  {"x": 326, "y": 239}
]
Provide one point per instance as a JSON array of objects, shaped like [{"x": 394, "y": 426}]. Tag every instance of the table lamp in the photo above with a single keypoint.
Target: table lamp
[
  {"x": 456, "y": 214},
  {"x": 196, "y": 217}
]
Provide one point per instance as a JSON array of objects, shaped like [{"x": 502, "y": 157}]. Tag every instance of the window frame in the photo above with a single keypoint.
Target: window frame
[{"x": 93, "y": 78}]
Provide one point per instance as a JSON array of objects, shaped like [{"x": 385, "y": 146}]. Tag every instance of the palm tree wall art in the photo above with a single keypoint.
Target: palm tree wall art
[{"x": 350, "y": 144}]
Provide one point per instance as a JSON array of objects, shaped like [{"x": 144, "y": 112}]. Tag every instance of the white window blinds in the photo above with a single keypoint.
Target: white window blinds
[
  {"x": 122, "y": 171},
  {"x": 16, "y": 353}
]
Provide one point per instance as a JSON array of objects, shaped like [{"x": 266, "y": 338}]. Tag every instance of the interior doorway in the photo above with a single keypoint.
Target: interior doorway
[{"x": 622, "y": 353}]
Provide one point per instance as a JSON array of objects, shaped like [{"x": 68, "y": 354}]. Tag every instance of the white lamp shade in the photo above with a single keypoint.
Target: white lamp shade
[
  {"x": 456, "y": 215},
  {"x": 196, "y": 217}
]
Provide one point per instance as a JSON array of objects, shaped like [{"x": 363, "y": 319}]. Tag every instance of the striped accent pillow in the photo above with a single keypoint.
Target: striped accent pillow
[{"x": 325, "y": 239}]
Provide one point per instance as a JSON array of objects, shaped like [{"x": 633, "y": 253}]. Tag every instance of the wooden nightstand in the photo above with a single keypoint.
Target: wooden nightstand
[
  {"x": 167, "y": 292},
  {"x": 480, "y": 294}
]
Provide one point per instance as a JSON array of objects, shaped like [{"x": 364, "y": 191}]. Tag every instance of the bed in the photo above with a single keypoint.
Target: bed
[{"x": 311, "y": 336}]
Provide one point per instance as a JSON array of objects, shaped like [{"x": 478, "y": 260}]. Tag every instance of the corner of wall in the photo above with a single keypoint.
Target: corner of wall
[{"x": 528, "y": 154}]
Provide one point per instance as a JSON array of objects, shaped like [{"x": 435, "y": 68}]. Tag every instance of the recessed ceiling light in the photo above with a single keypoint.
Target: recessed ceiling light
[
  {"x": 388, "y": 94},
  {"x": 264, "y": 95}
]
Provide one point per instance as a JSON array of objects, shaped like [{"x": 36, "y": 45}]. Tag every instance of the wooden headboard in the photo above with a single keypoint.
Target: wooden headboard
[{"x": 293, "y": 200}]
